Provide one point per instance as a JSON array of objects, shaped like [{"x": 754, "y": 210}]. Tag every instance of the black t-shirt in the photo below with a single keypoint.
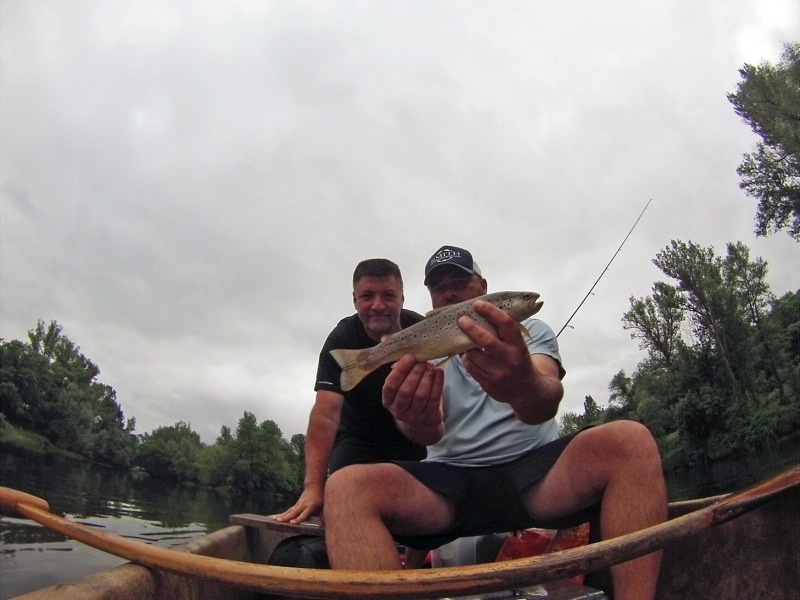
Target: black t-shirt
[{"x": 366, "y": 427}]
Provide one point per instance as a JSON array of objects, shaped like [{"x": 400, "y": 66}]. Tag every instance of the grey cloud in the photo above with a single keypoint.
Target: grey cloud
[{"x": 187, "y": 189}]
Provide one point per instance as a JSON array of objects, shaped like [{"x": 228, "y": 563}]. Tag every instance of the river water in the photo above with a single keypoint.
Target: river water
[{"x": 166, "y": 514}]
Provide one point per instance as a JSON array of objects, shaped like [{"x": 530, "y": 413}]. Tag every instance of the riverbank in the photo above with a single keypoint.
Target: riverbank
[
  {"x": 735, "y": 471},
  {"x": 14, "y": 438},
  {"x": 726, "y": 474}
]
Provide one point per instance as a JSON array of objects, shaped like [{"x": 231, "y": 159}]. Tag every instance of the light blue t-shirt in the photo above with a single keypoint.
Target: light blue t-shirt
[{"x": 481, "y": 431}]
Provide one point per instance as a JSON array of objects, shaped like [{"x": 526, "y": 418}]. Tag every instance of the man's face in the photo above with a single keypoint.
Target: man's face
[
  {"x": 378, "y": 301},
  {"x": 451, "y": 285}
]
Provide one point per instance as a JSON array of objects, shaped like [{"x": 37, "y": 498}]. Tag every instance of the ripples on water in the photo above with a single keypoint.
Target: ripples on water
[{"x": 34, "y": 557}]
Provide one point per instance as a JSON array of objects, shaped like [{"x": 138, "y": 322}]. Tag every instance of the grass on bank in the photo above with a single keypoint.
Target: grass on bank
[{"x": 20, "y": 439}]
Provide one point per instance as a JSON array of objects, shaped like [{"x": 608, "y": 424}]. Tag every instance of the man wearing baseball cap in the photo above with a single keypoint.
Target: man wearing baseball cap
[
  {"x": 495, "y": 461},
  {"x": 451, "y": 255}
]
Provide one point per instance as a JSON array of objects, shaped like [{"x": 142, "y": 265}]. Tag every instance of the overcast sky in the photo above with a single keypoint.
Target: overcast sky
[{"x": 186, "y": 187}]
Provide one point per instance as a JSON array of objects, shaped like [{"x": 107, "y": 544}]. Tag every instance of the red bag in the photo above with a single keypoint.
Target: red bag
[
  {"x": 528, "y": 542},
  {"x": 533, "y": 542}
]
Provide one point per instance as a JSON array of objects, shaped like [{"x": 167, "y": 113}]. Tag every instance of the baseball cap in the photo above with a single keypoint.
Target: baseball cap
[{"x": 451, "y": 255}]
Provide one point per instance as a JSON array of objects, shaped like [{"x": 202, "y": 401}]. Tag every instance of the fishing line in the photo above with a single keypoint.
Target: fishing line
[{"x": 589, "y": 293}]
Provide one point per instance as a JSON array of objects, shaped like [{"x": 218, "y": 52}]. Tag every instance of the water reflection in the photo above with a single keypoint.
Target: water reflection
[
  {"x": 15, "y": 532},
  {"x": 733, "y": 474}
]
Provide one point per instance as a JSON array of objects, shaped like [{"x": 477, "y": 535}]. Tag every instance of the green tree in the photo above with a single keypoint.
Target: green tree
[
  {"x": 570, "y": 421},
  {"x": 49, "y": 387},
  {"x": 260, "y": 460},
  {"x": 621, "y": 400},
  {"x": 780, "y": 326},
  {"x": 255, "y": 460},
  {"x": 654, "y": 414},
  {"x": 224, "y": 435},
  {"x": 620, "y": 388},
  {"x": 61, "y": 351},
  {"x": 656, "y": 322},
  {"x": 768, "y": 99},
  {"x": 591, "y": 410},
  {"x": 113, "y": 440},
  {"x": 749, "y": 278},
  {"x": 171, "y": 452},
  {"x": 733, "y": 382},
  {"x": 24, "y": 379},
  {"x": 715, "y": 306},
  {"x": 297, "y": 459}
]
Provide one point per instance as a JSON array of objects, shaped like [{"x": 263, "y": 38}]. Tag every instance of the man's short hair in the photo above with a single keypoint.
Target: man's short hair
[{"x": 377, "y": 267}]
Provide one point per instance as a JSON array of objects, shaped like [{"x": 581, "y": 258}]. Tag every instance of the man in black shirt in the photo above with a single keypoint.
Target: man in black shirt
[{"x": 353, "y": 427}]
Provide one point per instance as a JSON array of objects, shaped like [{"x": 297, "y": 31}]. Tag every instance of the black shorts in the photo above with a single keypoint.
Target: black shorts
[
  {"x": 350, "y": 450},
  {"x": 488, "y": 499}
]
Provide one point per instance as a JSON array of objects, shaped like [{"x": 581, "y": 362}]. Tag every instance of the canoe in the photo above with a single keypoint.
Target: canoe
[{"x": 744, "y": 545}]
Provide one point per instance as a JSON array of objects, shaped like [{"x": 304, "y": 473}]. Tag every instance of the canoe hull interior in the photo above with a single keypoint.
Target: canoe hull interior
[{"x": 756, "y": 555}]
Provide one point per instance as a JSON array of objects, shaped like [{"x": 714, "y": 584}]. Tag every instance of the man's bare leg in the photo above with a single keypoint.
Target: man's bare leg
[
  {"x": 363, "y": 501},
  {"x": 635, "y": 498},
  {"x": 619, "y": 465}
]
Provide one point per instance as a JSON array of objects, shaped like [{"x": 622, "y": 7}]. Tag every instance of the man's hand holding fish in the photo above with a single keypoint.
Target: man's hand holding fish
[
  {"x": 413, "y": 394},
  {"x": 501, "y": 364},
  {"x": 504, "y": 368}
]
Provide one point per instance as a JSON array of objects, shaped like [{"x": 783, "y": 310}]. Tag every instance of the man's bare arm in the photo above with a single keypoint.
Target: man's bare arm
[{"x": 322, "y": 425}]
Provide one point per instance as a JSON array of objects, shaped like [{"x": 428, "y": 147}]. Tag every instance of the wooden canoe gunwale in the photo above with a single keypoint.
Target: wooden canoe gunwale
[{"x": 452, "y": 581}]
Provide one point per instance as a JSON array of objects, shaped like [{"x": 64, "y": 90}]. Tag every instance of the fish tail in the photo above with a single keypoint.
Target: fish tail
[{"x": 352, "y": 372}]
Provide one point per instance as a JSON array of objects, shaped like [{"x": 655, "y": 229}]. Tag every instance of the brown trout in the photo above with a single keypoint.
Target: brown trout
[{"x": 436, "y": 336}]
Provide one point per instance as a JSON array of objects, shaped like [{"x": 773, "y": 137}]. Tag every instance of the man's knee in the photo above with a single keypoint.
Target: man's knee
[
  {"x": 357, "y": 481},
  {"x": 343, "y": 481},
  {"x": 626, "y": 440},
  {"x": 641, "y": 438},
  {"x": 629, "y": 432}
]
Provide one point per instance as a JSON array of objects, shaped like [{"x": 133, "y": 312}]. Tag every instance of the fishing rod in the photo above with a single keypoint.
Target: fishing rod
[{"x": 589, "y": 293}]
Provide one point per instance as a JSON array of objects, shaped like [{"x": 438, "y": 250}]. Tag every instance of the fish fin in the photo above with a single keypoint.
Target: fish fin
[
  {"x": 352, "y": 372},
  {"x": 445, "y": 361},
  {"x": 536, "y": 308}
]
